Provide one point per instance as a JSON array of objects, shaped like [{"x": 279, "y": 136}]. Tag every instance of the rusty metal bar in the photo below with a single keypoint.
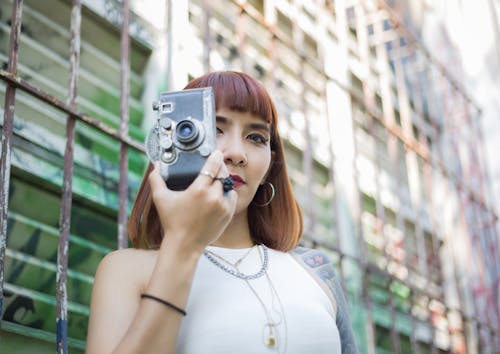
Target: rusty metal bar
[
  {"x": 124, "y": 95},
  {"x": 7, "y": 130},
  {"x": 58, "y": 104},
  {"x": 65, "y": 215}
]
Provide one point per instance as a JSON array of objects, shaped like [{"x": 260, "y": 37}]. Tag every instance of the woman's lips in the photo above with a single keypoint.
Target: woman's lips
[{"x": 238, "y": 181}]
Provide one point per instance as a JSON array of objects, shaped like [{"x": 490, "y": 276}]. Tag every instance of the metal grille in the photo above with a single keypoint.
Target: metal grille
[
  {"x": 370, "y": 120},
  {"x": 15, "y": 83}
]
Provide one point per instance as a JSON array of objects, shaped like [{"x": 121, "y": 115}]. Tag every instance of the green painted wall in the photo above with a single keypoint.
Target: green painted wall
[{"x": 29, "y": 311}]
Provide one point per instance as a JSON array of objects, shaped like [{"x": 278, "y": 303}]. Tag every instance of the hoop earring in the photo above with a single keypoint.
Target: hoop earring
[{"x": 273, "y": 193}]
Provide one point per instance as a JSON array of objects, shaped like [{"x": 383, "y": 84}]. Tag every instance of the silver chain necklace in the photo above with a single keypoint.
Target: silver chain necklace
[
  {"x": 212, "y": 257},
  {"x": 238, "y": 262},
  {"x": 270, "y": 331}
]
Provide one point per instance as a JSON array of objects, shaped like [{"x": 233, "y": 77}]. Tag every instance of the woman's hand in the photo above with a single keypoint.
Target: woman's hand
[
  {"x": 197, "y": 216},
  {"x": 120, "y": 322}
]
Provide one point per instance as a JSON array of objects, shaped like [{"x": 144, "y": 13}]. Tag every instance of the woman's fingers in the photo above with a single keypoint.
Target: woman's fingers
[
  {"x": 209, "y": 171},
  {"x": 204, "y": 201},
  {"x": 155, "y": 180}
]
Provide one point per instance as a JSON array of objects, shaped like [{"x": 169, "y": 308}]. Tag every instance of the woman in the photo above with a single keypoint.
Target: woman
[{"x": 227, "y": 259}]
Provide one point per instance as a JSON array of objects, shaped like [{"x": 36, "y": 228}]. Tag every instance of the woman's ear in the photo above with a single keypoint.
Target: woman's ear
[{"x": 269, "y": 168}]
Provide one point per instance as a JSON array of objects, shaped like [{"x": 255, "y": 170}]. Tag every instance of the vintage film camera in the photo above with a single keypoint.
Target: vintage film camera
[{"x": 184, "y": 135}]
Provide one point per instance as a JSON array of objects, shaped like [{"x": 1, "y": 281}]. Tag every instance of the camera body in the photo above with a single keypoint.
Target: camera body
[{"x": 184, "y": 135}]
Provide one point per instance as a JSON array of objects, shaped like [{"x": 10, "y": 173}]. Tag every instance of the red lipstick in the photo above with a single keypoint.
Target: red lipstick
[{"x": 238, "y": 181}]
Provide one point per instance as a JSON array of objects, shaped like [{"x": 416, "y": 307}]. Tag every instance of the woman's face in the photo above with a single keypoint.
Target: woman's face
[{"x": 244, "y": 139}]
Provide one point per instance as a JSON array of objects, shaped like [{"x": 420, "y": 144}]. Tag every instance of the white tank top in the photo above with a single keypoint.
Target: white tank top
[{"x": 225, "y": 316}]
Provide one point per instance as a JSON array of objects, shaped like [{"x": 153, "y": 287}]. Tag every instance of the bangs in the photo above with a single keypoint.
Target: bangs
[
  {"x": 279, "y": 225},
  {"x": 238, "y": 92}
]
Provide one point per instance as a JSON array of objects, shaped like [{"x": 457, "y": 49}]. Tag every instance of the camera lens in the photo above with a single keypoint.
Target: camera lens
[{"x": 186, "y": 131}]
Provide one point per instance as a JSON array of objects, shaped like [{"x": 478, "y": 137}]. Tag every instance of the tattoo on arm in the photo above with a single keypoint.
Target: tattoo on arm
[{"x": 319, "y": 264}]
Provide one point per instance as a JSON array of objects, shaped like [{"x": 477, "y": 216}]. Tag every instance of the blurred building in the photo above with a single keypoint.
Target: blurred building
[{"x": 384, "y": 146}]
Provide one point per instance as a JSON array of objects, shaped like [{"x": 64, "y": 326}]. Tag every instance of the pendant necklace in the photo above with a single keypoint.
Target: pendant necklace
[
  {"x": 232, "y": 269},
  {"x": 275, "y": 315},
  {"x": 235, "y": 264}
]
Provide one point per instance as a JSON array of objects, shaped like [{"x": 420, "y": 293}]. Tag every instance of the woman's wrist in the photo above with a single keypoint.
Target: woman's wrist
[
  {"x": 173, "y": 273},
  {"x": 178, "y": 247}
]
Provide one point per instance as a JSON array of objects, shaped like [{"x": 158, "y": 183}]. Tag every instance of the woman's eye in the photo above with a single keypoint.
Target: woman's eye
[
  {"x": 219, "y": 131},
  {"x": 257, "y": 138}
]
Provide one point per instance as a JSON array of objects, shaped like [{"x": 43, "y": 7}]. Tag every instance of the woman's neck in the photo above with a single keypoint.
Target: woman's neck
[{"x": 237, "y": 234}]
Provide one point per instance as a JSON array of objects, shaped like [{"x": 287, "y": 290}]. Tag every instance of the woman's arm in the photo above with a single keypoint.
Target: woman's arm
[{"x": 122, "y": 322}]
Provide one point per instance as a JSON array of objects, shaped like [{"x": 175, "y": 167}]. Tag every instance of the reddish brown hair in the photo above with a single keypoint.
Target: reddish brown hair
[{"x": 277, "y": 225}]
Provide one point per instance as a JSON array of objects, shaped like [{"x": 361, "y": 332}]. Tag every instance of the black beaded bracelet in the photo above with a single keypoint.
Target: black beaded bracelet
[{"x": 166, "y": 303}]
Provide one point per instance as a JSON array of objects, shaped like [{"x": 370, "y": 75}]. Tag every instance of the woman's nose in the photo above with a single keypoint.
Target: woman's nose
[{"x": 234, "y": 151}]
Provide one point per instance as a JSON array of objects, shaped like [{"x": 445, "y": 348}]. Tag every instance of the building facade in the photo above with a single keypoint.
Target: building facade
[{"x": 383, "y": 145}]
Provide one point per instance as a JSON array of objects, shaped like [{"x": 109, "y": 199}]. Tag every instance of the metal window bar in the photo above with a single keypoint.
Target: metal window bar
[
  {"x": 13, "y": 83},
  {"x": 8, "y": 125},
  {"x": 65, "y": 215},
  {"x": 60, "y": 105},
  {"x": 124, "y": 98}
]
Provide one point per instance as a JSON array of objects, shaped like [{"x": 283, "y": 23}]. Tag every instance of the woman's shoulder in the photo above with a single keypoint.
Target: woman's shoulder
[
  {"x": 318, "y": 265},
  {"x": 311, "y": 257},
  {"x": 321, "y": 268},
  {"x": 130, "y": 257},
  {"x": 132, "y": 264}
]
